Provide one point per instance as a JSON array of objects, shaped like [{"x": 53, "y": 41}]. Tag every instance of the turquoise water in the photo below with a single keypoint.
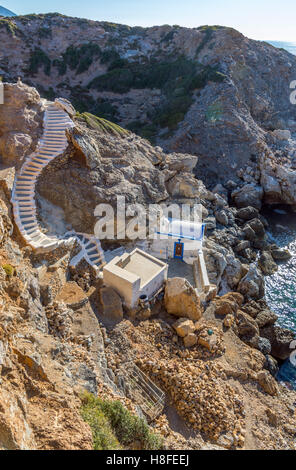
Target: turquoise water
[
  {"x": 289, "y": 46},
  {"x": 281, "y": 286}
]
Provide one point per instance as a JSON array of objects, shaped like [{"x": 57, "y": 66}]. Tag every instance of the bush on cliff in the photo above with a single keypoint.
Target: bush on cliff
[{"x": 114, "y": 427}]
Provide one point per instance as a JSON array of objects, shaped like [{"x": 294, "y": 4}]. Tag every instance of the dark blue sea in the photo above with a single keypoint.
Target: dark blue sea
[{"x": 281, "y": 286}]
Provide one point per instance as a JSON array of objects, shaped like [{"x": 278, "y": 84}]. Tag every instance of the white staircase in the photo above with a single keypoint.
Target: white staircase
[{"x": 52, "y": 144}]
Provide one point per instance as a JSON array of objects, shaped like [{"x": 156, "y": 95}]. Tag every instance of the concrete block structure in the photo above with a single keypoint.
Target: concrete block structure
[
  {"x": 135, "y": 276},
  {"x": 178, "y": 239},
  {"x": 182, "y": 240}
]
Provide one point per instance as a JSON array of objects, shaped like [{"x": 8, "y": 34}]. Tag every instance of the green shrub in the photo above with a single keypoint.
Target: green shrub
[
  {"x": 177, "y": 79},
  {"x": 8, "y": 269},
  {"x": 44, "y": 33},
  {"x": 103, "y": 436},
  {"x": 102, "y": 124},
  {"x": 78, "y": 58},
  {"x": 120, "y": 425},
  {"x": 38, "y": 59},
  {"x": 9, "y": 24}
]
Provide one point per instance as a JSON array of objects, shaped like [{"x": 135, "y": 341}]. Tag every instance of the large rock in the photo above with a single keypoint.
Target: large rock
[
  {"x": 111, "y": 304},
  {"x": 278, "y": 181},
  {"x": 267, "y": 382},
  {"x": 20, "y": 122},
  {"x": 185, "y": 185},
  {"x": 266, "y": 263},
  {"x": 184, "y": 327},
  {"x": 215, "y": 258},
  {"x": 252, "y": 284},
  {"x": 280, "y": 340},
  {"x": 181, "y": 162},
  {"x": 247, "y": 328},
  {"x": 181, "y": 299},
  {"x": 248, "y": 195},
  {"x": 282, "y": 134},
  {"x": 280, "y": 254},
  {"x": 228, "y": 303},
  {"x": 234, "y": 271},
  {"x": 190, "y": 340},
  {"x": 247, "y": 213},
  {"x": 266, "y": 318}
]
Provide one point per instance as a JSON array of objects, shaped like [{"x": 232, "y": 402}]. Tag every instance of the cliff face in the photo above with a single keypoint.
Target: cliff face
[
  {"x": 53, "y": 342},
  {"x": 207, "y": 91}
]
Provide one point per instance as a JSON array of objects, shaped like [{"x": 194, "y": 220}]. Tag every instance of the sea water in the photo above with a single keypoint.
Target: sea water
[
  {"x": 289, "y": 46},
  {"x": 280, "y": 288}
]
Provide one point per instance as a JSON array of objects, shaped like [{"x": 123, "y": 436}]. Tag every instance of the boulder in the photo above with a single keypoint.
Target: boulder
[
  {"x": 14, "y": 145},
  {"x": 65, "y": 105},
  {"x": 265, "y": 318},
  {"x": 249, "y": 232},
  {"x": 184, "y": 327},
  {"x": 20, "y": 122},
  {"x": 280, "y": 340},
  {"x": 248, "y": 195},
  {"x": 247, "y": 329},
  {"x": 210, "y": 223},
  {"x": 282, "y": 134},
  {"x": 181, "y": 299},
  {"x": 221, "y": 217},
  {"x": 267, "y": 382},
  {"x": 252, "y": 284},
  {"x": 267, "y": 264},
  {"x": 258, "y": 227},
  {"x": 215, "y": 259},
  {"x": 271, "y": 365},
  {"x": 111, "y": 304},
  {"x": 247, "y": 213},
  {"x": 280, "y": 254},
  {"x": 264, "y": 346},
  {"x": 190, "y": 340},
  {"x": 185, "y": 185},
  {"x": 228, "y": 321},
  {"x": 247, "y": 326},
  {"x": 243, "y": 245},
  {"x": 228, "y": 303},
  {"x": 233, "y": 271},
  {"x": 219, "y": 189},
  {"x": 181, "y": 162}
]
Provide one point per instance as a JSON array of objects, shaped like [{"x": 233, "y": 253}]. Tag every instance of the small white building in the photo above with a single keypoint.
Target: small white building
[
  {"x": 135, "y": 276},
  {"x": 178, "y": 239}
]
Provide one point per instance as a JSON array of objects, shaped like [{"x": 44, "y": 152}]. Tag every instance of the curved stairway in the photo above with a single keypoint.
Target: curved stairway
[{"x": 52, "y": 144}]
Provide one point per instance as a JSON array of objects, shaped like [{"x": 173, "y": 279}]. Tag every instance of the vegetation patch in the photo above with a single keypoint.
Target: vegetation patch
[
  {"x": 44, "y": 33},
  {"x": 78, "y": 58},
  {"x": 8, "y": 269},
  {"x": 102, "y": 124},
  {"x": 208, "y": 34},
  {"x": 114, "y": 427},
  {"x": 10, "y": 25},
  {"x": 39, "y": 59},
  {"x": 177, "y": 79}
]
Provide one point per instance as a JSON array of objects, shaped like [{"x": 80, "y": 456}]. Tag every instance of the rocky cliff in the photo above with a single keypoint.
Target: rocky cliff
[
  {"x": 207, "y": 91},
  {"x": 57, "y": 332}
]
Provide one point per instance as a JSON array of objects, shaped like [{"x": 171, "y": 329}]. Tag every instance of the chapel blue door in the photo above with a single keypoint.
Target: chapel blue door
[{"x": 179, "y": 250}]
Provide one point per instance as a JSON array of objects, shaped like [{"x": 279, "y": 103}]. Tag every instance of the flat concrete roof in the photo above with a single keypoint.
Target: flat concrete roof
[{"x": 143, "y": 265}]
